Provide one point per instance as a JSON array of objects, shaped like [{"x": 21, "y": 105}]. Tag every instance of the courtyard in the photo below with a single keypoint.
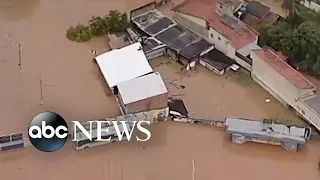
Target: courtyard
[{"x": 211, "y": 96}]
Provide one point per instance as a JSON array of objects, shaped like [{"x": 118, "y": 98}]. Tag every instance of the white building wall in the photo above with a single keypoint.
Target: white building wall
[
  {"x": 194, "y": 19},
  {"x": 195, "y": 24},
  {"x": 220, "y": 42}
]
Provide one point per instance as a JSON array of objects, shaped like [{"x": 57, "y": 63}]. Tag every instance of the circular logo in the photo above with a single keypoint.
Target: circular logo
[{"x": 48, "y": 131}]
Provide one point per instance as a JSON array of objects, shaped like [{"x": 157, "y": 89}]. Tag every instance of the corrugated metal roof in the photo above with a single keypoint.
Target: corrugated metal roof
[
  {"x": 142, "y": 88},
  {"x": 123, "y": 64},
  {"x": 259, "y": 128}
]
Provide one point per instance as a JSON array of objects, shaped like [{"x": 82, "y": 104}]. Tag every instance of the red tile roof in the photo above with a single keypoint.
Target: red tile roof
[
  {"x": 283, "y": 68},
  {"x": 206, "y": 9}
]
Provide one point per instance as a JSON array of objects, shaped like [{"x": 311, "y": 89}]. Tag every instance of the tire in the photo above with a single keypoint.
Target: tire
[{"x": 86, "y": 147}]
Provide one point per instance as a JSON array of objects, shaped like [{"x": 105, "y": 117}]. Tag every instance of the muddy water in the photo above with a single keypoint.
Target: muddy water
[
  {"x": 210, "y": 95},
  {"x": 167, "y": 156},
  {"x": 72, "y": 87},
  {"x": 72, "y": 84}
]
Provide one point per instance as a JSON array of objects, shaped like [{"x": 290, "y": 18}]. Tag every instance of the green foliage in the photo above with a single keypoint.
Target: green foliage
[
  {"x": 298, "y": 35},
  {"x": 97, "y": 26},
  {"x": 116, "y": 22},
  {"x": 79, "y": 33},
  {"x": 113, "y": 22}
]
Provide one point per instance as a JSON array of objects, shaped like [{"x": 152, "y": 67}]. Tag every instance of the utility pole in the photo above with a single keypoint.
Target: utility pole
[
  {"x": 193, "y": 169},
  {"x": 19, "y": 53},
  {"x": 109, "y": 169},
  {"x": 121, "y": 170},
  {"x": 41, "y": 91}
]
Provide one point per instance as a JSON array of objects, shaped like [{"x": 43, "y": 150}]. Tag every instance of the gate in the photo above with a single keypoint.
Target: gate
[{"x": 11, "y": 141}]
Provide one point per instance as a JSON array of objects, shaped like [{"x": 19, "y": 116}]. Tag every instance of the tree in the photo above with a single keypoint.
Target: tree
[
  {"x": 293, "y": 7},
  {"x": 97, "y": 26},
  {"x": 298, "y": 36},
  {"x": 116, "y": 22},
  {"x": 79, "y": 33}
]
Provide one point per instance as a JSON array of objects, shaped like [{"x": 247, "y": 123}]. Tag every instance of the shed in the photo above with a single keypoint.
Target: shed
[
  {"x": 142, "y": 94},
  {"x": 120, "y": 65},
  {"x": 217, "y": 61}
]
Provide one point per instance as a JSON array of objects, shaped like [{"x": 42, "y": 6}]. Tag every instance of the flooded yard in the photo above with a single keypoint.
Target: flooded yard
[
  {"x": 73, "y": 87},
  {"x": 168, "y": 155},
  {"x": 208, "y": 95}
]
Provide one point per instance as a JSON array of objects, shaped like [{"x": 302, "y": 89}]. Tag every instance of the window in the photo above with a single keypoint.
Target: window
[
  {"x": 219, "y": 38},
  {"x": 211, "y": 35},
  {"x": 4, "y": 139}
]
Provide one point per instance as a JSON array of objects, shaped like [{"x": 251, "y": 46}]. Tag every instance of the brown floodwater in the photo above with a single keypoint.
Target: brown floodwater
[
  {"x": 168, "y": 155},
  {"x": 73, "y": 87}
]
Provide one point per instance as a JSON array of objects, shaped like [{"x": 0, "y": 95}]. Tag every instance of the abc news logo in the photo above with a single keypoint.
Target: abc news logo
[{"x": 48, "y": 131}]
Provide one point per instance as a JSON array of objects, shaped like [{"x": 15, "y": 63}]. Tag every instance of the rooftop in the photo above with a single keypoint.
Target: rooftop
[
  {"x": 234, "y": 3},
  {"x": 183, "y": 41},
  {"x": 258, "y": 13},
  {"x": 151, "y": 43},
  {"x": 314, "y": 103},
  {"x": 142, "y": 88},
  {"x": 123, "y": 64},
  {"x": 283, "y": 68},
  {"x": 257, "y": 9},
  {"x": 279, "y": 131},
  {"x": 218, "y": 59},
  {"x": 271, "y": 18},
  {"x": 206, "y": 9},
  {"x": 246, "y": 50},
  {"x": 153, "y": 22}
]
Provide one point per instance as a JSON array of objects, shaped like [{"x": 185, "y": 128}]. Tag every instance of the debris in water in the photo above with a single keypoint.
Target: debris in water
[
  {"x": 182, "y": 86},
  {"x": 268, "y": 100}
]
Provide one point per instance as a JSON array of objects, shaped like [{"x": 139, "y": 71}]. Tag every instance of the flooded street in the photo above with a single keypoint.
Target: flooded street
[
  {"x": 72, "y": 84},
  {"x": 168, "y": 155},
  {"x": 73, "y": 87}
]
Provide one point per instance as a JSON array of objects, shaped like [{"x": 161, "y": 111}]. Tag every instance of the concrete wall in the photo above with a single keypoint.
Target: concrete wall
[
  {"x": 220, "y": 42},
  {"x": 211, "y": 68},
  {"x": 308, "y": 114},
  {"x": 141, "y": 10},
  {"x": 156, "y": 102},
  {"x": 282, "y": 89},
  {"x": 195, "y": 24},
  {"x": 274, "y": 80},
  {"x": 155, "y": 53}
]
